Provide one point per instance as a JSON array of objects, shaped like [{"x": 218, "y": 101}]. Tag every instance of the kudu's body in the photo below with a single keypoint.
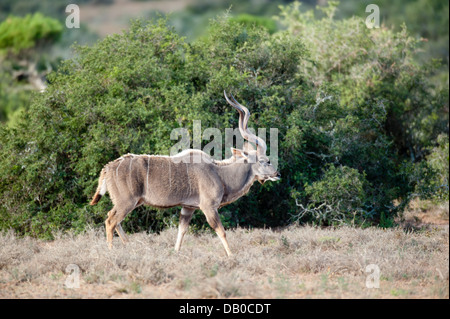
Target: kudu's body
[{"x": 190, "y": 179}]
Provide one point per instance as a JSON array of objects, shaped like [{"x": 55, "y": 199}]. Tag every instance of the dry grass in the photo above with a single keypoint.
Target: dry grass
[{"x": 298, "y": 262}]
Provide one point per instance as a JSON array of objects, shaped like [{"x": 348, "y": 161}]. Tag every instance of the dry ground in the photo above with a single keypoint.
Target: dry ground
[{"x": 297, "y": 262}]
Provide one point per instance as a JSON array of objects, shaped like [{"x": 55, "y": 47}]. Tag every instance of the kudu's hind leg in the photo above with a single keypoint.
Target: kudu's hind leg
[
  {"x": 212, "y": 216},
  {"x": 119, "y": 228},
  {"x": 115, "y": 217},
  {"x": 109, "y": 228},
  {"x": 121, "y": 233},
  {"x": 185, "y": 218}
]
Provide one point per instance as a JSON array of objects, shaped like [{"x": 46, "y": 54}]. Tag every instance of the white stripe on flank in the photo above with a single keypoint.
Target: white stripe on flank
[
  {"x": 148, "y": 166},
  {"x": 188, "y": 179},
  {"x": 129, "y": 179},
  {"x": 117, "y": 168},
  {"x": 170, "y": 174},
  {"x": 117, "y": 172}
]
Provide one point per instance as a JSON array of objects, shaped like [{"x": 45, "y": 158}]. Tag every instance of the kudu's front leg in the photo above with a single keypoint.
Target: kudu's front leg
[{"x": 212, "y": 216}]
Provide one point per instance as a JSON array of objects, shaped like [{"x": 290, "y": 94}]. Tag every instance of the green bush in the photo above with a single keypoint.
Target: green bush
[
  {"x": 251, "y": 20},
  {"x": 339, "y": 184},
  {"x": 22, "y": 58},
  {"x": 21, "y": 33},
  {"x": 11, "y": 98},
  {"x": 431, "y": 176},
  {"x": 338, "y": 197}
]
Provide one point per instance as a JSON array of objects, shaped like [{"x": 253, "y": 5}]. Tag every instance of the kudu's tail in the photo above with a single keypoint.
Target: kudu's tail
[{"x": 101, "y": 189}]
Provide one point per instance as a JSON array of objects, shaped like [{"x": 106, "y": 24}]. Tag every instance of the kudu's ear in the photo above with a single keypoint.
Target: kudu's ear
[{"x": 239, "y": 153}]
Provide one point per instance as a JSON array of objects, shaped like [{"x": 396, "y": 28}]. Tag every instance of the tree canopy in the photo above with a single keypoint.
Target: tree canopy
[{"x": 18, "y": 34}]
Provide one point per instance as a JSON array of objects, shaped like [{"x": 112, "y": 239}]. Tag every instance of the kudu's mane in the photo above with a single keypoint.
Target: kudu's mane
[{"x": 225, "y": 162}]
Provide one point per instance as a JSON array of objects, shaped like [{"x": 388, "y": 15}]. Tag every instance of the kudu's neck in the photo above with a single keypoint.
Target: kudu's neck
[{"x": 237, "y": 179}]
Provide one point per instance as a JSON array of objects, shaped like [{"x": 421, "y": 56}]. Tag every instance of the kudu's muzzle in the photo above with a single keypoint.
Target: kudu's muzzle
[{"x": 275, "y": 177}]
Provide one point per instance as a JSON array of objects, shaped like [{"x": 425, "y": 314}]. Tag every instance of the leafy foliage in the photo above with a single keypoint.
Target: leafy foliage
[
  {"x": 431, "y": 176},
  {"x": 22, "y": 42},
  {"x": 17, "y": 34},
  {"x": 341, "y": 193},
  {"x": 249, "y": 20}
]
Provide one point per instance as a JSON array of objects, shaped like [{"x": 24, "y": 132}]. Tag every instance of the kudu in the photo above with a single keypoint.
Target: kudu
[{"x": 180, "y": 180}]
